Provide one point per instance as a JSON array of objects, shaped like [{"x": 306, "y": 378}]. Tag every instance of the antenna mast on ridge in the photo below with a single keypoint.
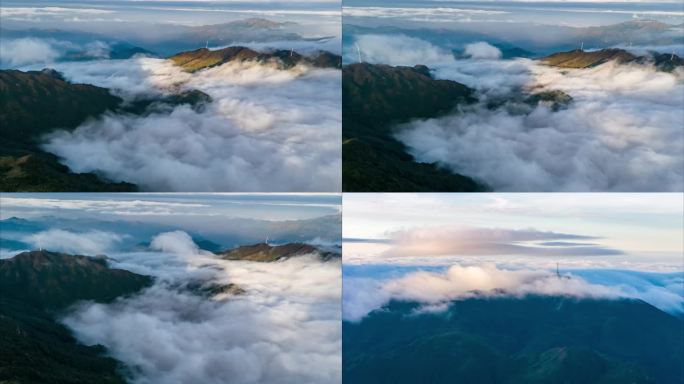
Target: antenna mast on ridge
[
  {"x": 207, "y": 46},
  {"x": 582, "y": 46},
  {"x": 358, "y": 51}
]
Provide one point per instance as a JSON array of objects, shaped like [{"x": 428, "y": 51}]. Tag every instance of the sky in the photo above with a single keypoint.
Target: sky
[
  {"x": 163, "y": 27},
  {"x": 565, "y": 13},
  {"x": 162, "y": 207},
  {"x": 192, "y": 12},
  {"x": 635, "y": 230}
]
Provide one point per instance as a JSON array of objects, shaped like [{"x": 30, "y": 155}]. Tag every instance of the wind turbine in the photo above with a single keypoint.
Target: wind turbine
[
  {"x": 207, "y": 46},
  {"x": 582, "y": 46},
  {"x": 358, "y": 51}
]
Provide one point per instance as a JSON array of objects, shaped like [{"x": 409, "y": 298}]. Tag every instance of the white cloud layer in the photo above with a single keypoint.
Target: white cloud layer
[
  {"x": 482, "y": 50},
  {"x": 436, "y": 289},
  {"x": 28, "y": 50},
  {"x": 398, "y": 50},
  {"x": 266, "y": 129},
  {"x": 622, "y": 132},
  {"x": 82, "y": 243},
  {"x": 285, "y": 328}
]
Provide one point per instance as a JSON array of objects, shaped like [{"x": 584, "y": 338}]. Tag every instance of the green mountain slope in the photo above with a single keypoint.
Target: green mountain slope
[
  {"x": 586, "y": 59},
  {"x": 55, "y": 280},
  {"x": 193, "y": 61},
  {"x": 34, "y": 346},
  {"x": 35, "y": 103},
  {"x": 516, "y": 340},
  {"x": 376, "y": 97},
  {"x": 264, "y": 252}
]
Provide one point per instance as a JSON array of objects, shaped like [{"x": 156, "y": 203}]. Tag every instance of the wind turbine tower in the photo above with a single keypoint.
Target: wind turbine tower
[{"x": 358, "y": 51}]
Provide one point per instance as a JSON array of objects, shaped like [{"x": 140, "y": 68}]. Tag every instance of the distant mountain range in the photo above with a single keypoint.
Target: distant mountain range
[
  {"x": 263, "y": 252},
  {"x": 375, "y": 98},
  {"x": 167, "y": 39},
  {"x": 515, "y": 41},
  {"x": 34, "y": 288},
  {"x": 510, "y": 340},
  {"x": 284, "y": 59},
  {"x": 586, "y": 59},
  {"x": 216, "y": 234}
]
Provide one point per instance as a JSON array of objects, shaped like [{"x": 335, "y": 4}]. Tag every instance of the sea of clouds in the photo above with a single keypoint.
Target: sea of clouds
[
  {"x": 434, "y": 288},
  {"x": 622, "y": 132},
  {"x": 285, "y": 328},
  {"x": 266, "y": 129}
]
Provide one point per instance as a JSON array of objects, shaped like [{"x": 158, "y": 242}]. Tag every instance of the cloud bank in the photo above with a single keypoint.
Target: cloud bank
[
  {"x": 482, "y": 50},
  {"x": 287, "y": 322},
  {"x": 621, "y": 132},
  {"x": 266, "y": 129},
  {"x": 471, "y": 241},
  {"x": 24, "y": 51},
  {"x": 437, "y": 289},
  {"x": 397, "y": 50},
  {"x": 82, "y": 243}
]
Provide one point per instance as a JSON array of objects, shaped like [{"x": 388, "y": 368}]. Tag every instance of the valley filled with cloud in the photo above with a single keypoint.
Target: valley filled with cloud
[
  {"x": 621, "y": 131},
  {"x": 266, "y": 120},
  {"x": 208, "y": 314},
  {"x": 576, "y": 97}
]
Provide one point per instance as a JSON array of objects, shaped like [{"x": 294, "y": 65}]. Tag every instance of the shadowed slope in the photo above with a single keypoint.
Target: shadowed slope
[
  {"x": 534, "y": 339},
  {"x": 376, "y": 97},
  {"x": 34, "y": 346}
]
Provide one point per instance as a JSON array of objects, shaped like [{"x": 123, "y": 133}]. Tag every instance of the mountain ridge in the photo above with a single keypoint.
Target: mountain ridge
[
  {"x": 202, "y": 58},
  {"x": 35, "y": 288},
  {"x": 530, "y": 339},
  {"x": 579, "y": 58},
  {"x": 375, "y": 97},
  {"x": 264, "y": 252}
]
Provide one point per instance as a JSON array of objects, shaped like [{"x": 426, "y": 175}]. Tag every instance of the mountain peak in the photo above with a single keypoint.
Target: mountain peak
[
  {"x": 202, "y": 58},
  {"x": 578, "y": 58},
  {"x": 54, "y": 280},
  {"x": 264, "y": 252}
]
